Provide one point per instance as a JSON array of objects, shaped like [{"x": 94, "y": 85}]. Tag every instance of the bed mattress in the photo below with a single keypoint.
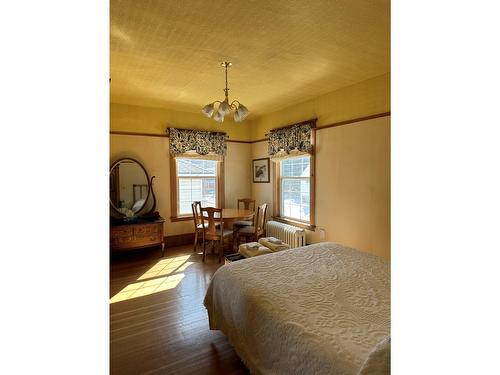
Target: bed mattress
[{"x": 319, "y": 309}]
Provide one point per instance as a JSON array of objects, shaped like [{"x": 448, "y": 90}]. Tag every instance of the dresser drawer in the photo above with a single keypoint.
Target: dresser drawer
[
  {"x": 148, "y": 238},
  {"x": 122, "y": 242},
  {"x": 147, "y": 229},
  {"x": 122, "y": 231},
  {"x": 136, "y": 236}
]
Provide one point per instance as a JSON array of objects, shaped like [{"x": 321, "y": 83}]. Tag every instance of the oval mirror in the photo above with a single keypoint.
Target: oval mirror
[{"x": 128, "y": 186}]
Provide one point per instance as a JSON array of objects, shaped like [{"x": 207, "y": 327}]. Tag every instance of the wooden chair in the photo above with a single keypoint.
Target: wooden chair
[
  {"x": 212, "y": 231},
  {"x": 246, "y": 204},
  {"x": 198, "y": 224},
  {"x": 254, "y": 232}
]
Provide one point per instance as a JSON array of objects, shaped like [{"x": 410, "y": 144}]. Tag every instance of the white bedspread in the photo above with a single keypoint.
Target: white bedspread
[{"x": 319, "y": 309}]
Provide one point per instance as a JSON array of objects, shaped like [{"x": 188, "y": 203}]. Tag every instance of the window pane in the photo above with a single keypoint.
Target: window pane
[
  {"x": 304, "y": 199},
  {"x": 295, "y": 182},
  {"x": 208, "y": 196},
  {"x": 287, "y": 169},
  {"x": 196, "y": 167},
  {"x": 304, "y": 185},
  {"x": 296, "y": 167},
  {"x": 196, "y": 189},
  {"x": 304, "y": 213},
  {"x": 185, "y": 208},
  {"x": 197, "y": 182}
]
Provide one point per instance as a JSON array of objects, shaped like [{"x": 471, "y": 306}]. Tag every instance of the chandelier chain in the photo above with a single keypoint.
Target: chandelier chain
[{"x": 226, "y": 90}]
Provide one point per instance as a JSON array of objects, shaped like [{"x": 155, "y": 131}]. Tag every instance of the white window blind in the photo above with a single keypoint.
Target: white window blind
[
  {"x": 196, "y": 181},
  {"x": 295, "y": 185}
]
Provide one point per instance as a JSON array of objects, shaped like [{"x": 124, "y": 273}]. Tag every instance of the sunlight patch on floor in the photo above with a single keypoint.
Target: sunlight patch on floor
[
  {"x": 166, "y": 267},
  {"x": 164, "y": 275}
]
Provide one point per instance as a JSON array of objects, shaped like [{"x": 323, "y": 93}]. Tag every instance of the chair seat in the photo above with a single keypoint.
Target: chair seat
[
  {"x": 225, "y": 233},
  {"x": 243, "y": 223},
  {"x": 206, "y": 225},
  {"x": 247, "y": 230}
]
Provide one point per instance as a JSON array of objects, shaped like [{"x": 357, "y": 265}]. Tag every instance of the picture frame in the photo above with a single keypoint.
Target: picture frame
[{"x": 261, "y": 170}]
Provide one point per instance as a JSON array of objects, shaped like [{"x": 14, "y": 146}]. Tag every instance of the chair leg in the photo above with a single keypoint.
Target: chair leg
[
  {"x": 204, "y": 250},
  {"x": 195, "y": 240},
  {"x": 203, "y": 237},
  {"x": 221, "y": 249}
]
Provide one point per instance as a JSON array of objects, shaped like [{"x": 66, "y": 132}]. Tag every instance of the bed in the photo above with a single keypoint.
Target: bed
[{"x": 318, "y": 309}]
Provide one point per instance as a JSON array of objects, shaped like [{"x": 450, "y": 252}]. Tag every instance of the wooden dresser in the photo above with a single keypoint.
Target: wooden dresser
[{"x": 140, "y": 234}]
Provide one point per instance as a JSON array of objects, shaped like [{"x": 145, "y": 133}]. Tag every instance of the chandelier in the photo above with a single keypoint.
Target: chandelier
[{"x": 240, "y": 111}]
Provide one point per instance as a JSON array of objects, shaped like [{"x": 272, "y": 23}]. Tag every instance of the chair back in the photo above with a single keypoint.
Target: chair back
[
  {"x": 208, "y": 215},
  {"x": 196, "y": 207},
  {"x": 247, "y": 203},
  {"x": 260, "y": 220}
]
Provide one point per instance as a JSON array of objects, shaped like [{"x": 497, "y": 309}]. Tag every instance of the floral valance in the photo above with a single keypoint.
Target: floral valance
[
  {"x": 292, "y": 139},
  {"x": 183, "y": 141}
]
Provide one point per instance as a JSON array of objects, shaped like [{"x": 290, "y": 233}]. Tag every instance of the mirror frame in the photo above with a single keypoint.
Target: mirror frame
[{"x": 114, "y": 164}]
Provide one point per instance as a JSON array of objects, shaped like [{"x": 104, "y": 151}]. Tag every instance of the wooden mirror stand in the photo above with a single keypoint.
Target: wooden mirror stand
[{"x": 142, "y": 230}]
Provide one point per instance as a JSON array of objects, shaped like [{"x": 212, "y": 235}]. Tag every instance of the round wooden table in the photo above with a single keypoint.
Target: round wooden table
[{"x": 232, "y": 214}]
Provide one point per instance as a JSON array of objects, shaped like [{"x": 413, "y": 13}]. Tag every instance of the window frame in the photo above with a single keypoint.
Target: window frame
[
  {"x": 310, "y": 225},
  {"x": 174, "y": 190}
]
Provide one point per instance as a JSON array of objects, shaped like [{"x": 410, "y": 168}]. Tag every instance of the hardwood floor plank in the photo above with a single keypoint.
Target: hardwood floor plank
[{"x": 158, "y": 324}]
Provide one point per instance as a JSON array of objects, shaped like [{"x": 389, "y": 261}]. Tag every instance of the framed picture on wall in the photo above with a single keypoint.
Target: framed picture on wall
[{"x": 260, "y": 170}]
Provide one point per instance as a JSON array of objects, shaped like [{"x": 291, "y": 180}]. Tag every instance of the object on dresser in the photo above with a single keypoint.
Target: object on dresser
[{"x": 151, "y": 216}]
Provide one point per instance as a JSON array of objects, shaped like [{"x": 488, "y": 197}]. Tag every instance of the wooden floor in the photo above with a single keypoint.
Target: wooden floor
[{"x": 158, "y": 324}]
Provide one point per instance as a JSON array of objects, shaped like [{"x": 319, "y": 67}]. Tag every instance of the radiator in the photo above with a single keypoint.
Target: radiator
[{"x": 295, "y": 237}]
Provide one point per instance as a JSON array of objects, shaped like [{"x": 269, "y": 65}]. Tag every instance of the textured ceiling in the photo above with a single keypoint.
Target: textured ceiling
[{"x": 168, "y": 53}]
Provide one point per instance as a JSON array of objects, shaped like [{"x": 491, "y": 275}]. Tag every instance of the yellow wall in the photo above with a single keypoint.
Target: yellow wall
[
  {"x": 131, "y": 118},
  {"x": 152, "y": 152},
  {"x": 352, "y": 161},
  {"x": 238, "y": 173},
  {"x": 263, "y": 192},
  {"x": 352, "y": 185},
  {"x": 362, "y": 99}
]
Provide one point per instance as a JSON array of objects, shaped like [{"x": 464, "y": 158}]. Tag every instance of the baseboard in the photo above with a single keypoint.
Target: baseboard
[{"x": 179, "y": 240}]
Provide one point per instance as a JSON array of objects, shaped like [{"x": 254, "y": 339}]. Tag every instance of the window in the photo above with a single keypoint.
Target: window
[
  {"x": 195, "y": 180},
  {"x": 293, "y": 195},
  {"x": 295, "y": 188}
]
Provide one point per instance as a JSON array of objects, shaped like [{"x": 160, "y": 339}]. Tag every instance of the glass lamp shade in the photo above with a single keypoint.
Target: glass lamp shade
[
  {"x": 237, "y": 117},
  {"x": 224, "y": 108},
  {"x": 208, "y": 110},
  {"x": 219, "y": 117},
  {"x": 241, "y": 113}
]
